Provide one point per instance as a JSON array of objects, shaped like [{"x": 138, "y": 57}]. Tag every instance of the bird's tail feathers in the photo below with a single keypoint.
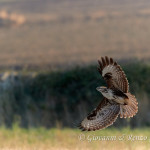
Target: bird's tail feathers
[{"x": 129, "y": 110}]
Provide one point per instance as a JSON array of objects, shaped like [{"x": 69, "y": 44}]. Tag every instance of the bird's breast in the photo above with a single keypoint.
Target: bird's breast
[
  {"x": 111, "y": 96},
  {"x": 108, "y": 95}
]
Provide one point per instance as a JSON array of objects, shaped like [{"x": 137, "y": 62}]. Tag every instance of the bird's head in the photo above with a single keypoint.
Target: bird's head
[{"x": 102, "y": 89}]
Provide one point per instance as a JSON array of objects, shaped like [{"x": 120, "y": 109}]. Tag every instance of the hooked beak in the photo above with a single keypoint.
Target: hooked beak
[{"x": 99, "y": 89}]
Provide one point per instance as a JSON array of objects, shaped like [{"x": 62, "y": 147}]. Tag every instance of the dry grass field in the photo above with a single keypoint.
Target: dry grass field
[
  {"x": 66, "y": 33},
  {"x": 68, "y": 139}
]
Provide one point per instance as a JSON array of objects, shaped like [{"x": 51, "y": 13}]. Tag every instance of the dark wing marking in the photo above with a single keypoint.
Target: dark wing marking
[
  {"x": 119, "y": 93},
  {"x": 103, "y": 116},
  {"x": 113, "y": 74}
]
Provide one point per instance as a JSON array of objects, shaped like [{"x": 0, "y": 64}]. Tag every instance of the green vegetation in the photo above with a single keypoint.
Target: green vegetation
[{"x": 63, "y": 98}]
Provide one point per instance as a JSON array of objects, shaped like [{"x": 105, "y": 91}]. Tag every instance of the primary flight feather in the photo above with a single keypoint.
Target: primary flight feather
[{"x": 117, "y": 98}]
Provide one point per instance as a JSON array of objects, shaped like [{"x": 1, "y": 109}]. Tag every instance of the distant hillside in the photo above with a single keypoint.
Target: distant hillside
[
  {"x": 64, "y": 33},
  {"x": 57, "y": 6}
]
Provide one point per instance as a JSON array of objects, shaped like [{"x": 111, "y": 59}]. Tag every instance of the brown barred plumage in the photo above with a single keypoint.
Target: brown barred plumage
[
  {"x": 118, "y": 79},
  {"x": 108, "y": 110}
]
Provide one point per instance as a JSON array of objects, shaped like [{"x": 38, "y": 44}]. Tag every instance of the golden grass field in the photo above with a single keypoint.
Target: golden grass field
[{"x": 68, "y": 139}]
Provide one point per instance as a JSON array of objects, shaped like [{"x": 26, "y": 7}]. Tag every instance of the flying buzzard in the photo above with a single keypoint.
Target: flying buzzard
[{"x": 117, "y": 99}]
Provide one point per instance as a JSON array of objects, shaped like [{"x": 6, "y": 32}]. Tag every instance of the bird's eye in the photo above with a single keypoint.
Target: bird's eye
[{"x": 105, "y": 91}]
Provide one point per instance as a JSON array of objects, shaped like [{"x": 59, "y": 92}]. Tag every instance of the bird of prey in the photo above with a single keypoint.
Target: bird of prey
[{"x": 117, "y": 100}]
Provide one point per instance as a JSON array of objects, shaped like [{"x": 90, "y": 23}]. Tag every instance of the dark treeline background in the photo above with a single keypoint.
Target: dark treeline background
[{"x": 64, "y": 98}]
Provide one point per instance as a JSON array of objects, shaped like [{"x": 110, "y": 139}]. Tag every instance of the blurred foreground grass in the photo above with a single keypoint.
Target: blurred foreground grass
[{"x": 68, "y": 139}]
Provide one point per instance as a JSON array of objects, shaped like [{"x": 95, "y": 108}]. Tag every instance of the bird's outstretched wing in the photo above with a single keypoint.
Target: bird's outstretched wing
[
  {"x": 113, "y": 74},
  {"x": 103, "y": 116}
]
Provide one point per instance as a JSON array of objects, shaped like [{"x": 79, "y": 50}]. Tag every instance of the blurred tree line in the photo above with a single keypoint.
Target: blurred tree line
[{"x": 64, "y": 98}]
